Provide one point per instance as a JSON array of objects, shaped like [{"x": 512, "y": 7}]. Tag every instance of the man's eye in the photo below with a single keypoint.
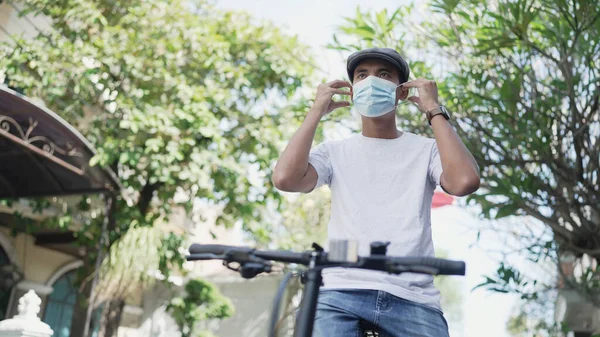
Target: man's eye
[
  {"x": 384, "y": 75},
  {"x": 361, "y": 75}
]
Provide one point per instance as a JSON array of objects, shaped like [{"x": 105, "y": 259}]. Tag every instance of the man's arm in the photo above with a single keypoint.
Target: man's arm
[
  {"x": 292, "y": 172},
  {"x": 460, "y": 174}
]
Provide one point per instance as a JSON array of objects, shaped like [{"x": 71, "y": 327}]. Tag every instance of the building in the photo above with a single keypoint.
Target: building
[{"x": 42, "y": 156}]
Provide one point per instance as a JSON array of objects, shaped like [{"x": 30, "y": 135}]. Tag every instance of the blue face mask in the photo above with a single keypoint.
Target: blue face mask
[{"x": 374, "y": 96}]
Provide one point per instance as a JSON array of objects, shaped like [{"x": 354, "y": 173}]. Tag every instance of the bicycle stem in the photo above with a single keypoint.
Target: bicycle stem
[{"x": 306, "y": 316}]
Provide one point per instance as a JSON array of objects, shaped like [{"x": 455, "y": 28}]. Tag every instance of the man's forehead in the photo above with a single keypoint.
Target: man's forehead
[{"x": 374, "y": 63}]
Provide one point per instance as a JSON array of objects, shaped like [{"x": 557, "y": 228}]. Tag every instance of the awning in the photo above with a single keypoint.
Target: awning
[{"x": 42, "y": 155}]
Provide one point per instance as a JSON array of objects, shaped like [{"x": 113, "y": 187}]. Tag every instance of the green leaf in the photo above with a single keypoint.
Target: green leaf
[
  {"x": 365, "y": 32},
  {"x": 359, "y": 18},
  {"x": 382, "y": 19},
  {"x": 390, "y": 23},
  {"x": 95, "y": 160},
  {"x": 506, "y": 210},
  {"x": 488, "y": 281}
]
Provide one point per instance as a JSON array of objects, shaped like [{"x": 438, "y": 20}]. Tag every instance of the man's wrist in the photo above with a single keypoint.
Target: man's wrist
[
  {"x": 314, "y": 115},
  {"x": 432, "y": 119},
  {"x": 439, "y": 110}
]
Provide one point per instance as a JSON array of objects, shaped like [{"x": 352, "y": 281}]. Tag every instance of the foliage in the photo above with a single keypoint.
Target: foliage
[
  {"x": 521, "y": 78},
  {"x": 132, "y": 262},
  {"x": 202, "y": 301},
  {"x": 170, "y": 255},
  {"x": 451, "y": 296},
  {"x": 302, "y": 221},
  {"x": 522, "y": 325},
  {"x": 508, "y": 279},
  {"x": 535, "y": 318},
  {"x": 170, "y": 96}
]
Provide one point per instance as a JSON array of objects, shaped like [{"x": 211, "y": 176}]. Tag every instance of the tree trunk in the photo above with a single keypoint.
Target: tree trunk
[
  {"x": 111, "y": 317},
  {"x": 80, "y": 311}
]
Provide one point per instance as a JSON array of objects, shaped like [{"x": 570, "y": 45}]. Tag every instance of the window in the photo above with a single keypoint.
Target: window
[
  {"x": 61, "y": 302},
  {"x": 60, "y": 305}
]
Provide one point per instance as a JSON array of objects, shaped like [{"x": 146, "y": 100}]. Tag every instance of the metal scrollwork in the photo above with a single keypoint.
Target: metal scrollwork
[{"x": 9, "y": 125}]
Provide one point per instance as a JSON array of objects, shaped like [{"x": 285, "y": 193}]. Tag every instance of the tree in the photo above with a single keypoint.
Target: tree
[
  {"x": 521, "y": 77},
  {"x": 131, "y": 264},
  {"x": 173, "y": 96},
  {"x": 202, "y": 301},
  {"x": 302, "y": 220},
  {"x": 451, "y": 297}
]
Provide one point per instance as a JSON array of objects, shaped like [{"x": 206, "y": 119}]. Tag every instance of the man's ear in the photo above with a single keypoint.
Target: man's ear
[{"x": 401, "y": 93}]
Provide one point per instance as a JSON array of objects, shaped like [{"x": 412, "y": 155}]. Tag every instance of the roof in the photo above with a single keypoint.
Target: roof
[{"x": 43, "y": 155}]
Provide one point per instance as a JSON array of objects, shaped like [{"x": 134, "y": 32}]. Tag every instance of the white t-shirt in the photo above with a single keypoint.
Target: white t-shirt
[{"x": 381, "y": 190}]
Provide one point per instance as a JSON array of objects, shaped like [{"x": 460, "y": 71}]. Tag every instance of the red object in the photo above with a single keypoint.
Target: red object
[{"x": 441, "y": 199}]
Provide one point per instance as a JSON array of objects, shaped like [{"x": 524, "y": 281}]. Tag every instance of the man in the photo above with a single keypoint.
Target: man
[{"x": 382, "y": 182}]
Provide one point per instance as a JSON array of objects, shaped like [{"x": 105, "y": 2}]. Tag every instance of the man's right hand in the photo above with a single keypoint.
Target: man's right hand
[{"x": 324, "y": 102}]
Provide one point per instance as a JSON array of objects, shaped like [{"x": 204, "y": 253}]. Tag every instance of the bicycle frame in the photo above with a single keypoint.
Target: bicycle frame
[{"x": 308, "y": 306}]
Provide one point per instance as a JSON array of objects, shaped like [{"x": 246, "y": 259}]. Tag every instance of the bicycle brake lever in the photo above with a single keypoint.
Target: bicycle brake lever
[
  {"x": 249, "y": 267},
  {"x": 252, "y": 269},
  {"x": 317, "y": 247}
]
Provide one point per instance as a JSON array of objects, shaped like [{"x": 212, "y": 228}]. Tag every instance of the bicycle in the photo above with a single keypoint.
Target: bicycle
[{"x": 253, "y": 262}]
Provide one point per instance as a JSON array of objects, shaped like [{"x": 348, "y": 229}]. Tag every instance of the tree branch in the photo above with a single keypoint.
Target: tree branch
[
  {"x": 146, "y": 195},
  {"x": 556, "y": 228}
]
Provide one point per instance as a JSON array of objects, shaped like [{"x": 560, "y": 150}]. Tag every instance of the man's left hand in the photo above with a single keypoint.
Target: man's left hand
[{"x": 428, "y": 93}]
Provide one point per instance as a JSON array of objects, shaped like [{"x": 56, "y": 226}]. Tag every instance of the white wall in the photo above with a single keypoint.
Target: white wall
[{"x": 12, "y": 23}]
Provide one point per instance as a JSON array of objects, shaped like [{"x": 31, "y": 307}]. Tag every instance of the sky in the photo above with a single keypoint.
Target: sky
[{"x": 314, "y": 22}]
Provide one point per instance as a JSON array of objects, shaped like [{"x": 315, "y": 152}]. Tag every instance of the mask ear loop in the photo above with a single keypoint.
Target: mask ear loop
[{"x": 410, "y": 92}]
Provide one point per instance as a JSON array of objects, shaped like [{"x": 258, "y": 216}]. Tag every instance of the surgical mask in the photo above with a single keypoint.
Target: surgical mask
[{"x": 374, "y": 96}]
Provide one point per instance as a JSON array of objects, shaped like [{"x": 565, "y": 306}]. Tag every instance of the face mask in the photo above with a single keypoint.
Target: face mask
[{"x": 374, "y": 96}]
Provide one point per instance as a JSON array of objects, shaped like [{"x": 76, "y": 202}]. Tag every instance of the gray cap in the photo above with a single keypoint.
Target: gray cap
[{"x": 386, "y": 54}]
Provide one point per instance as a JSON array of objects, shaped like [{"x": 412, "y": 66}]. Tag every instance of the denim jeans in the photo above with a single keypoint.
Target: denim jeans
[{"x": 346, "y": 313}]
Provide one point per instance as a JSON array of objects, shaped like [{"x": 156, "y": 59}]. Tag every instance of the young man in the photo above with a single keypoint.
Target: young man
[{"x": 382, "y": 182}]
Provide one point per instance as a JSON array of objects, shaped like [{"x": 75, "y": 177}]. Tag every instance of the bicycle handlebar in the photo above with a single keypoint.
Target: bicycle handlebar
[
  {"x": 221, "y": 250},
  {"x": 253, "y": 262},
  {"x": 391, "y": 264}
]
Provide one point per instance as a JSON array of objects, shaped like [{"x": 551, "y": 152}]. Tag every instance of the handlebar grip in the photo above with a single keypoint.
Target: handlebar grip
[
  {"x": 196, "y": 248},
  {"x": 441, "y": 266}
]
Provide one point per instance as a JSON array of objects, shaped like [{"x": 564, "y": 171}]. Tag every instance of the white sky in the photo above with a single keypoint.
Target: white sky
[{"x": 314, "y": 22}]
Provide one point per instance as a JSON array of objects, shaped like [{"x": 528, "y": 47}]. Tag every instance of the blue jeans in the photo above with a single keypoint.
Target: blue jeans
[{"x": 345, "y": 313}]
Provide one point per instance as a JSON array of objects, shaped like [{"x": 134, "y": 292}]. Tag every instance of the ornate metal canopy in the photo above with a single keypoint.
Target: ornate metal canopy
[{"x": 42, "y": 155}]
